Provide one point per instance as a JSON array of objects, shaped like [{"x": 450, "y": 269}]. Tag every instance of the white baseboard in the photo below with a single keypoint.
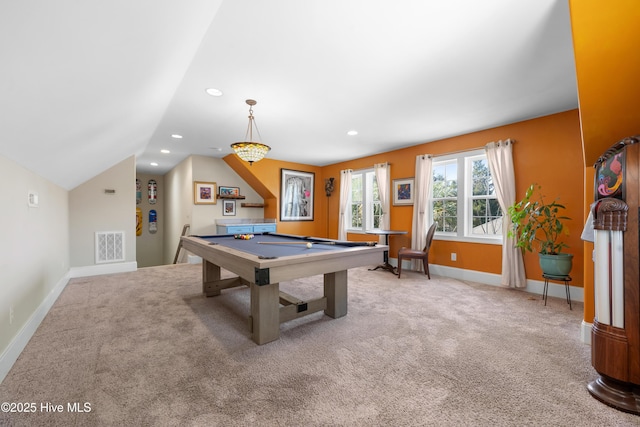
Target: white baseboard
[
  {"x": 97, "y": 270},
  {"x": 585, "y": 332},
  {"x": 12, "y": 352}
]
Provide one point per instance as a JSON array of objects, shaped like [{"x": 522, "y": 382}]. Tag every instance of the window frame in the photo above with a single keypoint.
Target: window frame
[
  {"x": 464, "y": 198},
  {"x": 368, "y": 203}
]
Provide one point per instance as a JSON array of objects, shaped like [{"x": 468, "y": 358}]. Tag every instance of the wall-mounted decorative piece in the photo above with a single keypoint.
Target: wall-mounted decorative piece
[
  {"x": 328, "y": 186},
  {"x": 204, "y": 193},
  {"x": 296, "y": 195},
  {"x": 403, "y": 191},
  {"x": 228, "y": 191},
  {"x": 228, "y": 207},
  {"x": 610, "y": 174}
]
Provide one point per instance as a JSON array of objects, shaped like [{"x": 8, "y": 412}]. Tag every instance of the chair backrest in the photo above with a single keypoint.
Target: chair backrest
[{"x": 430, "y": 233}]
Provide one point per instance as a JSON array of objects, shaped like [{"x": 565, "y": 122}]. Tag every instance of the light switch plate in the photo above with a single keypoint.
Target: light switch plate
[{"x": 33, "y": 199}]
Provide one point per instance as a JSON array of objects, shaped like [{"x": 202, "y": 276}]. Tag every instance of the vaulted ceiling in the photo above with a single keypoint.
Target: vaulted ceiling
[{"x": 86, "y": 84}]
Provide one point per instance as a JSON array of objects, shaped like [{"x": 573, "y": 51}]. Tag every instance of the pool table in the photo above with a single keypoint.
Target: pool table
[{"x": 267, "y": 259}]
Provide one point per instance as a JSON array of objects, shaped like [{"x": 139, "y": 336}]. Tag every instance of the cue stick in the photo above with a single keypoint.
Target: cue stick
[
  {"x": 322, "y": 242},
  {"x": 284, "y": 243}
]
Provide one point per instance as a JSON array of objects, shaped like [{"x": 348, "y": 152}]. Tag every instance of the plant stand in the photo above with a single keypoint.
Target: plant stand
[{"x": 565, "y": 279}]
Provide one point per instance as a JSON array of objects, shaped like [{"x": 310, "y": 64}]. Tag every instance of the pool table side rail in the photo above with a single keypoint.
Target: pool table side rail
[{"x": 284, "y": 268}]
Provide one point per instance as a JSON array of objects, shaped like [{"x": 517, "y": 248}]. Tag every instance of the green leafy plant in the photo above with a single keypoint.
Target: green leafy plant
[{"x": 538, "y": 224}]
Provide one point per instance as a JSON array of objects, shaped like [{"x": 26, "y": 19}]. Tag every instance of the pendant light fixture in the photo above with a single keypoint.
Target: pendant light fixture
[{"x": 249, "y": 150}]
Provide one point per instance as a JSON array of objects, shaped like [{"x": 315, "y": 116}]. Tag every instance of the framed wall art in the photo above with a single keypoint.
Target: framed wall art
[
  {"x": 204, "y": 193},
  {"x": 296, "y": 195},
  {"x": 228, "y": 207},
  {"x": 403, "y": 191},
  {"x": 228, "y": 191}
]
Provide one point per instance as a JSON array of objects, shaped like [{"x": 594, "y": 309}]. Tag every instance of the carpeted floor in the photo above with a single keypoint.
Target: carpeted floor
[{"x": 147, "y": 349}]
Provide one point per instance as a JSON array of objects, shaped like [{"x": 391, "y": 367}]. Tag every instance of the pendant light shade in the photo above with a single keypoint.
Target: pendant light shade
[{"x": 250, "y": 150}]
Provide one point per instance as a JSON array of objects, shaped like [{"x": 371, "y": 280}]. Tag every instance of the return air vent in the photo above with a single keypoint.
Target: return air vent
[{"x": 109, "y": 246}]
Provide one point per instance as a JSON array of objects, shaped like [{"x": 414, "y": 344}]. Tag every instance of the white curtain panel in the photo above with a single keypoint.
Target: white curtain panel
[
  {"x": 345, "y": 193},
  {"x": 500, "y": 158},
  {"x": 383, "y": 172},
  {"x": 422, "y": 188}
]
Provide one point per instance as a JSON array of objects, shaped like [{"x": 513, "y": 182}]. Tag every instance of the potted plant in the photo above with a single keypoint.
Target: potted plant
[{"x": 539, "y": 225}]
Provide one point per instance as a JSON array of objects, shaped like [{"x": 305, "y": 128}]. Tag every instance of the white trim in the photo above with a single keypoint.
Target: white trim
[
  {"x": 19, "y": 342},
  {"x": 468, "y": 239},
  {"x": 97, "y": 270},
  {"x": 585, "y": 332}
]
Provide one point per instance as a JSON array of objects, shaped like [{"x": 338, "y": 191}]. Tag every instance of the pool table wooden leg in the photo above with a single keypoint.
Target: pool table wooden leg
[
  {"x": 212, "y": 284},
  {"x": 210, "y": 275},
  {"x": 335, "y": 290},
  {"x": 265, "y": 312}
]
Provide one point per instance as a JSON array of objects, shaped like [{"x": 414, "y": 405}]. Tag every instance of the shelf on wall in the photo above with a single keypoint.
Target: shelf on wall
[
  {"x": 252, "y": 205},
  {"x": 230, "y": 197}
]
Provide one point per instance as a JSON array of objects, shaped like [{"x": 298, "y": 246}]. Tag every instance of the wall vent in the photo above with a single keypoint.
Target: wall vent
[{"x": 109, "y": 246}]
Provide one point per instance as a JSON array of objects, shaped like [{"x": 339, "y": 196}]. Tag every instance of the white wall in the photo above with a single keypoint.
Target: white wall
[
  {"x": 181, "y": 210},
  {"x": 34, "y": 254},
  {"x": 149, "y": 246},
  {"x": 178, "y": 200},
  {"x": 210, "y": 169},
  {"x": 91, "y": 210}
]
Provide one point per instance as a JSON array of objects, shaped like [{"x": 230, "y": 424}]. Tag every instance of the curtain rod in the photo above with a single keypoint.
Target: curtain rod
[{"x": 507, "y": 141}]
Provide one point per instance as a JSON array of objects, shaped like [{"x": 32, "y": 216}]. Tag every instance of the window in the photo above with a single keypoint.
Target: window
[
  {"x": 486, "y": 215},
  {"x": 464, "y": 201},
  {"x": 366, "y": 211}
]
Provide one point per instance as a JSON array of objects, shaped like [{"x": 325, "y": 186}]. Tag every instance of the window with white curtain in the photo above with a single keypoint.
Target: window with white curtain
[
  {"x": 366, "y": 211},
  {"x": 463, "y": 199}
]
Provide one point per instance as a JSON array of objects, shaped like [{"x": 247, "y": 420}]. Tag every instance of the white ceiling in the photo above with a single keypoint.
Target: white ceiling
[{"x": 86, "y": 84}]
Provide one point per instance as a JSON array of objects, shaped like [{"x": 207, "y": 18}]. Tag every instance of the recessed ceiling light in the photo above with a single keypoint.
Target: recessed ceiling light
[
  {"x": 215, "y": 148},
  {"x": 165, "y": 151},
  {"x": 176, "y": 136},
  {"x": 214, "y": 92},
  {"x": 153, "y": 164},
  {"x": 352, "y": 132}
]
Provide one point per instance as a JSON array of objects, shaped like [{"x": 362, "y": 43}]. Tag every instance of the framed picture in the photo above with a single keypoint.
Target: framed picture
[
  {"x": 204, "y": 193},
  {"x": 403, "y": 190},
  {"x": 228, "y": 207},
  {"x": 228, "y": 191},
  {"x": 296, "y": 195}
]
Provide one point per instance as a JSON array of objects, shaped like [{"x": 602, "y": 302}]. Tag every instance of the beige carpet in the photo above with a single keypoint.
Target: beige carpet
[{"x": 147, "y": 349}]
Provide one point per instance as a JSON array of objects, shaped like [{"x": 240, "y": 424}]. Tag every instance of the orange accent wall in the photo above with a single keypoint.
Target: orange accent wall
[
  {"x": 605, "y": 41},
  {"x": 548, "y": 150},
  {"x": 264, "y": 178}
]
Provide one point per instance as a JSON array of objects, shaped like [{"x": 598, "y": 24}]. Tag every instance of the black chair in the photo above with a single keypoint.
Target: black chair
[{"x": 408, "y": 253}]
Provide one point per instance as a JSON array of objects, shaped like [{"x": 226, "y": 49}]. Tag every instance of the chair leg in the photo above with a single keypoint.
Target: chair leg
[
  {"x": 425, "y": 262},
  {"x": 399, "y": 267}
]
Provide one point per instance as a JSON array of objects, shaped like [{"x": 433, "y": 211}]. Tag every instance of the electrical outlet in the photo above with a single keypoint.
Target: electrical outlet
[
  {"x": 10, "y": 315},
  {"x": 454, "y": 256}
]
